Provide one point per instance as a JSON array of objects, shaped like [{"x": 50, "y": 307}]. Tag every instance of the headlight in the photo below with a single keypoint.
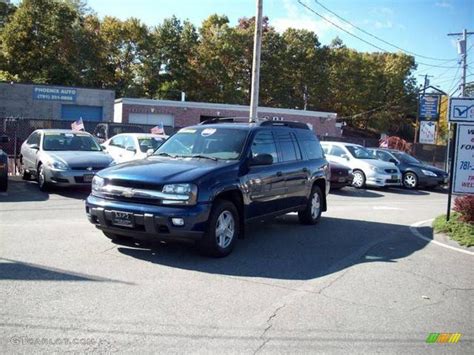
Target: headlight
[
  {"x": 377, "y": 170},
  {"x": 58, "y": 165},
  {"x": 179, "y": 189},
  {"x": 97, "y": 183},
  {"x": 428, "y": 173},
  {"x": 188, "y": 191}
]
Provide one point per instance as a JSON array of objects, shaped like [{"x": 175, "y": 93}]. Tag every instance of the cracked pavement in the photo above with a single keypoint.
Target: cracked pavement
[{"x": 359, "y": 282}]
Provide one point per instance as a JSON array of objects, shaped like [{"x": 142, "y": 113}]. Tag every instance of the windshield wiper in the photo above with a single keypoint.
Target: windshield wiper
[
  {"x": 164, "y": 155},
  {"x": 203, "y": 156}
]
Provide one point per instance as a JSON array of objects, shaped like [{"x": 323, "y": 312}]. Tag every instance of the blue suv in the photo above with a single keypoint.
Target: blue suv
[{"x": 207, "y": 181}]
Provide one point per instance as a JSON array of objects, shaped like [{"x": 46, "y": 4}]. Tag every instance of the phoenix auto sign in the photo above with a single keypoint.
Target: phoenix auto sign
[{"x": 54, "y": 94}]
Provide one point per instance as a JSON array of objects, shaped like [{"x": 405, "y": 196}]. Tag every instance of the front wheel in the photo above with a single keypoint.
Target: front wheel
[
  {"x": 42, "y": 184},
  {"x": 410, "y": 180},
  {"x": 223, "y": 230},
  {"x": 359, "y": 179},
  {"x": 312, "y": 213}
]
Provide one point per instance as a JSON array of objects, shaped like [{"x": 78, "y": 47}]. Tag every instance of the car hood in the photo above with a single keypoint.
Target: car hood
[
  {"x": 78, "y": 159},
  {"x": 162, "y": 170},
  {"x": 429, "y": 167},
  {"x": 378, "y": 163}
]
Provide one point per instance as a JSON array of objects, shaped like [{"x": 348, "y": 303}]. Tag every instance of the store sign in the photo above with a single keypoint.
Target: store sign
[
  {"x": 48, "y": 93},
  {"x": 461, "y": 109},
  {"x": 463, "y": 174},
  {"x": 429, "y": 108},
  {"x": 427, "y": 132}
]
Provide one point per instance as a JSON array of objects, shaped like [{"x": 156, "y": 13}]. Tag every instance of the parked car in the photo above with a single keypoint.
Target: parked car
[
  {"x": 367, "y": 170},
  {"x": 132, "y": 146},
  {"x": 3, "y": 164},
  {"x": 414, "y": 172},
  {"x": 62, "y": 157},
  {"x": 105, "y": 131},
  {"x": 341, "y": 175},
  {"x": 205, "y": 182}
]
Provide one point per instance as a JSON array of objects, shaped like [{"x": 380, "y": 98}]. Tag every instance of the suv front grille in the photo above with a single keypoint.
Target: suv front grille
[
  {"x": 134, "y": 184},
  {"x": 87, "y": 167}
]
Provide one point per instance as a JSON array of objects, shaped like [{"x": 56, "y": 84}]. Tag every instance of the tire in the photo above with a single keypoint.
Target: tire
[
  {"x": 312, "y": 213},
  {"x": 359, "y": 179},
  {"x": 410, "y": 180},
  {"x": 26, "y": 175},
  {"x": 213, "y": 243},
  {"x": 42, "y": 184}
]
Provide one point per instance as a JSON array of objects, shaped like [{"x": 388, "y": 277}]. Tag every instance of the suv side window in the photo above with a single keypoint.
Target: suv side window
[
  {"x": 310, "y": 145},
  {"x": 118, "y": 141},
  {"x": 337, "y": 151},
  {"x": 34, "y": 139},
  {"x": 263, "y": 143},
  {"x": 289, "y": 148}
]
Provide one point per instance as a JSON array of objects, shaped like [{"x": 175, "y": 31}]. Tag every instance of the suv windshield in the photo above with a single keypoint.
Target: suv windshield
[
  {"x": 359, "y": 152},
  {"x": 217, "y": 143},
  {"x": 406, "y": 158},
  {"x": 70, "y": 141}
]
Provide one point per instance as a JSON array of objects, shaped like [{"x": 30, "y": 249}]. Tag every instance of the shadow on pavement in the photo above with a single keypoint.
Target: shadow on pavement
[
  {"x": 353, "y": 192},
  {"x": 23, "y": 191},
  {"x": 286, "y": 250}
]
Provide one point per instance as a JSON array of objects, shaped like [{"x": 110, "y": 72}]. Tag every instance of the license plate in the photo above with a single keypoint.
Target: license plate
[
  {"x": 394, "y": 177},
  {"x": 88, "y": 177},
  {"x": 123, "y": 219}
]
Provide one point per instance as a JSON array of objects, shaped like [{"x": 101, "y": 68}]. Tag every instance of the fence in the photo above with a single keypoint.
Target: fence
[{"x": 18, "y": 130}]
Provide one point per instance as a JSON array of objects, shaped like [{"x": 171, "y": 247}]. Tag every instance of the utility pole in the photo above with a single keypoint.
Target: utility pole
[
  {"x": 257, "y": 46},
  {"x": 426, "y": 82},
  {"x": 462, "y": 46}
]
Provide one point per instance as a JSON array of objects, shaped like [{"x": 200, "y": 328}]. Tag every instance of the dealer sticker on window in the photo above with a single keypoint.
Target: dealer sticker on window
[{"x": 208, "y": 132}]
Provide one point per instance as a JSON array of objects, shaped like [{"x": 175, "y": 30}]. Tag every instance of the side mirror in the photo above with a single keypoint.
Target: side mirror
[
  {"x": 393, "y": 161},
  {"x": 345, "y": 156},
  {"x": 103, "y": 147},
  {"x": 131, "y": 149},
  {"x": 34, "y": 146},
  {"x": 262, "y": 159},
  {"x": 149, "y": 152}
]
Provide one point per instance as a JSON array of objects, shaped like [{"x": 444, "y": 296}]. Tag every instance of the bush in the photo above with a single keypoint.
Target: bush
[
  {"x": 457, "y": 230},
  {"x": 465, "y": 206}
]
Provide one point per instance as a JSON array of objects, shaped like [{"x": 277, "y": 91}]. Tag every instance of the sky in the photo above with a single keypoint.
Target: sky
[{"x": 419, "y": 26}]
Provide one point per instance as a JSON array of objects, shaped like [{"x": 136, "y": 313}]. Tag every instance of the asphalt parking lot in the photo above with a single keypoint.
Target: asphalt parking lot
[{"x": 359, "y": 282}]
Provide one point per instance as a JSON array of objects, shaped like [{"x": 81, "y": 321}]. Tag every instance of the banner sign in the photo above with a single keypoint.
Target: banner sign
[
  {"x": 48, "y": 93},
  {"x": 463, "y": 173},
  {"x": 461, "y": 109},
  {"x": 427, "y": 132},
  {"x": 429, "y": 108}
]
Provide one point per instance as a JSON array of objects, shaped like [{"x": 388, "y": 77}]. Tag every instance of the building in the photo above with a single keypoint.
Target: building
[
  {"x": 178, "y": 114},
  {"x": 55, "y": 102}
]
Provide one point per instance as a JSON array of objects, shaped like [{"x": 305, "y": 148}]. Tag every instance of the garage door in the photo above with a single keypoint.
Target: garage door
[
  {"x": 151, "y": 118},
  {"x": 87, "y": 113}
]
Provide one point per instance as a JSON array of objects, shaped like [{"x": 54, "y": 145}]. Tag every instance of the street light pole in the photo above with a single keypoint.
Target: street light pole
[{"x": 257, "y": 46}]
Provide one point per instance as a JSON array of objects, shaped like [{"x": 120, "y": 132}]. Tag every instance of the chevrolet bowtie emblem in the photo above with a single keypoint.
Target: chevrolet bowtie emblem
[{"x": 128, "y": 193}]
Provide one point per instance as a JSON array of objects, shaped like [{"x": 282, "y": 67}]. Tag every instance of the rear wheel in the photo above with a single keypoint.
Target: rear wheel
[
  {"x": 223, "y": 230},
  {"x": 410, "y": 180},
  {"x": 359, "y": 179},
  {"x": 312, "y": 213},
  {"x": 26, "y": 175}
]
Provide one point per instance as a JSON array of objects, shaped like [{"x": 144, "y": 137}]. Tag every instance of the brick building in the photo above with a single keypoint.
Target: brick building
[{"x": 178, "y": 114}]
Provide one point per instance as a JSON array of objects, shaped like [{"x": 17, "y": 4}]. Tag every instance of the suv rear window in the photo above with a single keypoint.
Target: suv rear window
[{"x": 289, "y": 148}]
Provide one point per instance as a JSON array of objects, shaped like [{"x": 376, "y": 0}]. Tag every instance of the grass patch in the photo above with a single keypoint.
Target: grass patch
[{"x": 458, "y": 230}]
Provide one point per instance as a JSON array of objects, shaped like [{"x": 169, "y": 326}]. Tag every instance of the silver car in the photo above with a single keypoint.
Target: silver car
[{"x": 62, "y": 157}]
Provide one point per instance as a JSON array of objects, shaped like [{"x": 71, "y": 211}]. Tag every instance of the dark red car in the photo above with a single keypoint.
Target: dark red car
[{"x": 341, "y": 175}]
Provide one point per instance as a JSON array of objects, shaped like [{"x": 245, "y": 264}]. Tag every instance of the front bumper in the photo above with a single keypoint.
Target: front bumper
[
  {"x": 69, "y": 177},
  {"x": 424, "y": 180},
  {"x": 150, "y": 222},
  {"x": 382, "y": 180},
  {"x": 341, "y": 181}
]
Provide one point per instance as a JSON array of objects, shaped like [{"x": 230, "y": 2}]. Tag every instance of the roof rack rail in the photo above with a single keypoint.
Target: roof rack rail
[
  {"x": 225, "y": 120},
  {"x": 291, "y": 124}
]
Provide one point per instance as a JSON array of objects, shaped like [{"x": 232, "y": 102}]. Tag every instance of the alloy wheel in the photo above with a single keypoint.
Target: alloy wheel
[
  {"x": 315, "y": 205},
  {"x": 225, "y": 229}
]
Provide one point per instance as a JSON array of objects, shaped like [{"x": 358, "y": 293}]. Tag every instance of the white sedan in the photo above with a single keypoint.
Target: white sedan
[{"x": 132, "y": 146}]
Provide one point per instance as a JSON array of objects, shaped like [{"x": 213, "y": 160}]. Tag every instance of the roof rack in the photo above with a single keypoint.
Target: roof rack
[
  {"x": 291, "y": 124},
  {"x": 225, "y": 120}
]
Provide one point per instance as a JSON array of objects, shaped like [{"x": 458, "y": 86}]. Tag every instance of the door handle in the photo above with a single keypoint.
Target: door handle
[{"x": 279, "y": 173}]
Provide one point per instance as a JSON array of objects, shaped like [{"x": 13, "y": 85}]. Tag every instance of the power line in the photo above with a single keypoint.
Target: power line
[
  {"x": 381, "y": 39},
  {"x": 361, "y": 39}
]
